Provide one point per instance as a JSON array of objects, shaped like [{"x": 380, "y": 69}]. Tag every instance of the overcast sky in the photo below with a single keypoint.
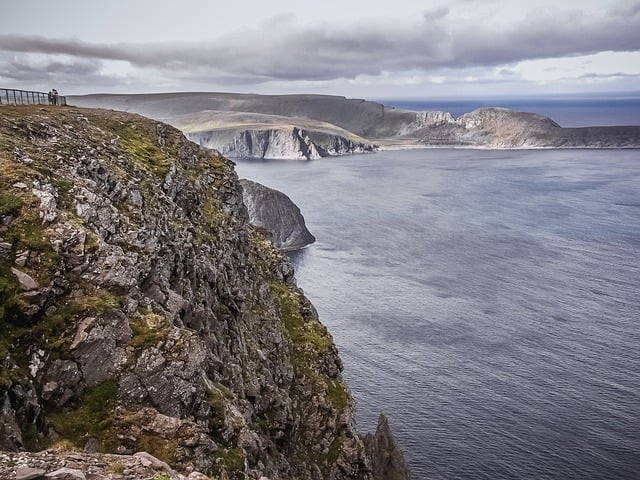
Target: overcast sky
[{"x": 358, "y": 48}]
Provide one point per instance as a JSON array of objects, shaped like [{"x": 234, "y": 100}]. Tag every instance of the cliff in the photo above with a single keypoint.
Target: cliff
[
  {"x": 371, "y": 121},
  {"x": 254, "y": 135},
  {"x": 505, "y": 128},
  {"x": 285, "y": 143},
  {"x": 277, "y": 214},
  {"x": 142, "y": 312}
]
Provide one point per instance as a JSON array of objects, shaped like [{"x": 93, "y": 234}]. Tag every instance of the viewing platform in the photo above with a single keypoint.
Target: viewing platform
[{"x": 11, "y": 96}]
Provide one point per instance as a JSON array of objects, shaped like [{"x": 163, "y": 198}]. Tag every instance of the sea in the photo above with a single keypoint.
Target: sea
[
  {"x": 567, "y": 111},
  {"x": 487, "y": 302}
]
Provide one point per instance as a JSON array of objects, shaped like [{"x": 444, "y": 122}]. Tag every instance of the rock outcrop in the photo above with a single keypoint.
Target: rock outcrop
[
  {"x": 277, "y": 214},
  {"x": 388, "y": 461},
  {"x": 140, "y": 310}
]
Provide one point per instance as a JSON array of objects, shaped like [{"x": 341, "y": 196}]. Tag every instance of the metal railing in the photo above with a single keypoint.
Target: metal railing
[{"x": 11, "y": 96}]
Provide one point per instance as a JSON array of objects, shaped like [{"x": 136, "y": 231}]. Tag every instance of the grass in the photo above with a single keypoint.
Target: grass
[
  {"x": 230, "y": 461},
  {"x": 161, "y": 448},
  {"x": 310, "y": 338},
  {"x": 311, "y": 341},
  {"x": 93, "y": 418},
  {"x": 141, "y": 149},
  {"x": 9, "y": 204},
  {"x": 148, "y": 330}
]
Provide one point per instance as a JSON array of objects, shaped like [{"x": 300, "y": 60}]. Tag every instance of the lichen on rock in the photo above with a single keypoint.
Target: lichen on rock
[{"x": 158, "y": 319}]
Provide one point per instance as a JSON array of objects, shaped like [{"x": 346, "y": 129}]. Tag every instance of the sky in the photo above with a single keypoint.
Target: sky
[{"x": 396, "y": 49}]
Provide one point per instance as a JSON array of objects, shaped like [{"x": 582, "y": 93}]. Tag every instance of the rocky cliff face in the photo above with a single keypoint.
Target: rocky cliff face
[
  {"x": 505, "y": 128},
  {"x": 141, "y": 311},
  {"x": 277, "y": 214},
  {"x": 289, "y": 143}
]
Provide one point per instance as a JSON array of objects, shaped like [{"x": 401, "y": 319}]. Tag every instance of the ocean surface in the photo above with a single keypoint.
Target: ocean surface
[
  {"x": 487, "y": 301},
  {"x": 570, "y": 111}
]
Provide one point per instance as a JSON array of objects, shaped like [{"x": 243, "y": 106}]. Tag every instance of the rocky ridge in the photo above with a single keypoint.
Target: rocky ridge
[{"x": 142, "y": 312}]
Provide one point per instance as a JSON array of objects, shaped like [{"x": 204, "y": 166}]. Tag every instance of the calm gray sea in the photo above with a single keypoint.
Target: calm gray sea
[{"x": 487, "y": 301}]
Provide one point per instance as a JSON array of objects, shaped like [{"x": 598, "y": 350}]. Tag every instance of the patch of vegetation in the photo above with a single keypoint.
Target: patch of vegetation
[
  {"x": 215, "y": 399},
  {"x": 141, "y": 149},
  {"x": 148, "y": 330},
  {"x": 9, "y": 203},
  {"x": 310, "y": 338},
  {"x": 334, "y": 450},
  {"x": 230, "y": 461},
  {"x": 212, "y": 218},
  {"x": 11, "y": 304},
  {"x": 116, "y": 467},
  {"x": 64, "y": 188},
  {"x": 91, "y": 242},
  {"x": 161, "y": 448},
  {"x": 27, "y": 233},
  {"x": 93, "y": 418}
]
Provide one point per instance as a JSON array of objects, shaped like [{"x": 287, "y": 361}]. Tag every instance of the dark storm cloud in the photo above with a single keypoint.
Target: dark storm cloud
[{"x": 283, "y": 52}]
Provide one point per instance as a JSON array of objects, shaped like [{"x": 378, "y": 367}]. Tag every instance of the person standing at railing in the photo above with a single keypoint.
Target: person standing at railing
[{"x": 55, "y": 96}]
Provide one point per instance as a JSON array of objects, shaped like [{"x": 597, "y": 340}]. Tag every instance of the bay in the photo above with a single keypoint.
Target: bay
[{"x": 486, "y": 301}]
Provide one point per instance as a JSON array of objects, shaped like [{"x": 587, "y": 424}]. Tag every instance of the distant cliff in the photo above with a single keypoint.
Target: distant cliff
[
  {"x": 505, "y": 128},
  {"x": 277, "y": 214},
  {"x": 140, "y": 311},
  {"x": 289, "y": 143},
  {"x": 370, "y": 121}
]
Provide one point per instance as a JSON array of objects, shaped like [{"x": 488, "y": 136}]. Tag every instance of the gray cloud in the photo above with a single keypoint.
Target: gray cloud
[{"x": 282, "y": 52}]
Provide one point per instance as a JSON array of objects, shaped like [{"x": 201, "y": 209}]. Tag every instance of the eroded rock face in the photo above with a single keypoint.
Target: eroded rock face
[
  {"x": 291, "y": 143},
  {"x": 276, "y": 213},
  {"x": 160, "y": 319}
]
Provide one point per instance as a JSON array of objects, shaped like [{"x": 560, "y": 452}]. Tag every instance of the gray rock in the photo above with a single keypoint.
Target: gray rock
[
  {"x": 25, "y": 281},
  {"x": 275, "y": 212},
  {"x": 66, "y": 474},
  {"x": 29, "y": 473},
  {"x": 387, "y": 461}
]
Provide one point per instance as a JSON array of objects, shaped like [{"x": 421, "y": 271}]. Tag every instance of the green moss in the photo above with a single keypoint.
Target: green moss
[
  {"x": 142, "y": 150},
  {"x": 230, "y": 460},
  {"x": 336, "y": 393},
  {"x": 9, "y": 204},
  {"x": 92, "y": 418},
  {"x": 310, "y": 338}
]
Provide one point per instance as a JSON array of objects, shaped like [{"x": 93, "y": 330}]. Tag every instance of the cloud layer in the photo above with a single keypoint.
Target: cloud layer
[{"x": 282, "y": 52}]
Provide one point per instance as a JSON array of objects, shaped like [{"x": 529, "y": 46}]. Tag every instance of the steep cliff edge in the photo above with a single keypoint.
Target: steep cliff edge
[
  {"x": 141, "y": 311},
  {"x": 276, "y": 213}
]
